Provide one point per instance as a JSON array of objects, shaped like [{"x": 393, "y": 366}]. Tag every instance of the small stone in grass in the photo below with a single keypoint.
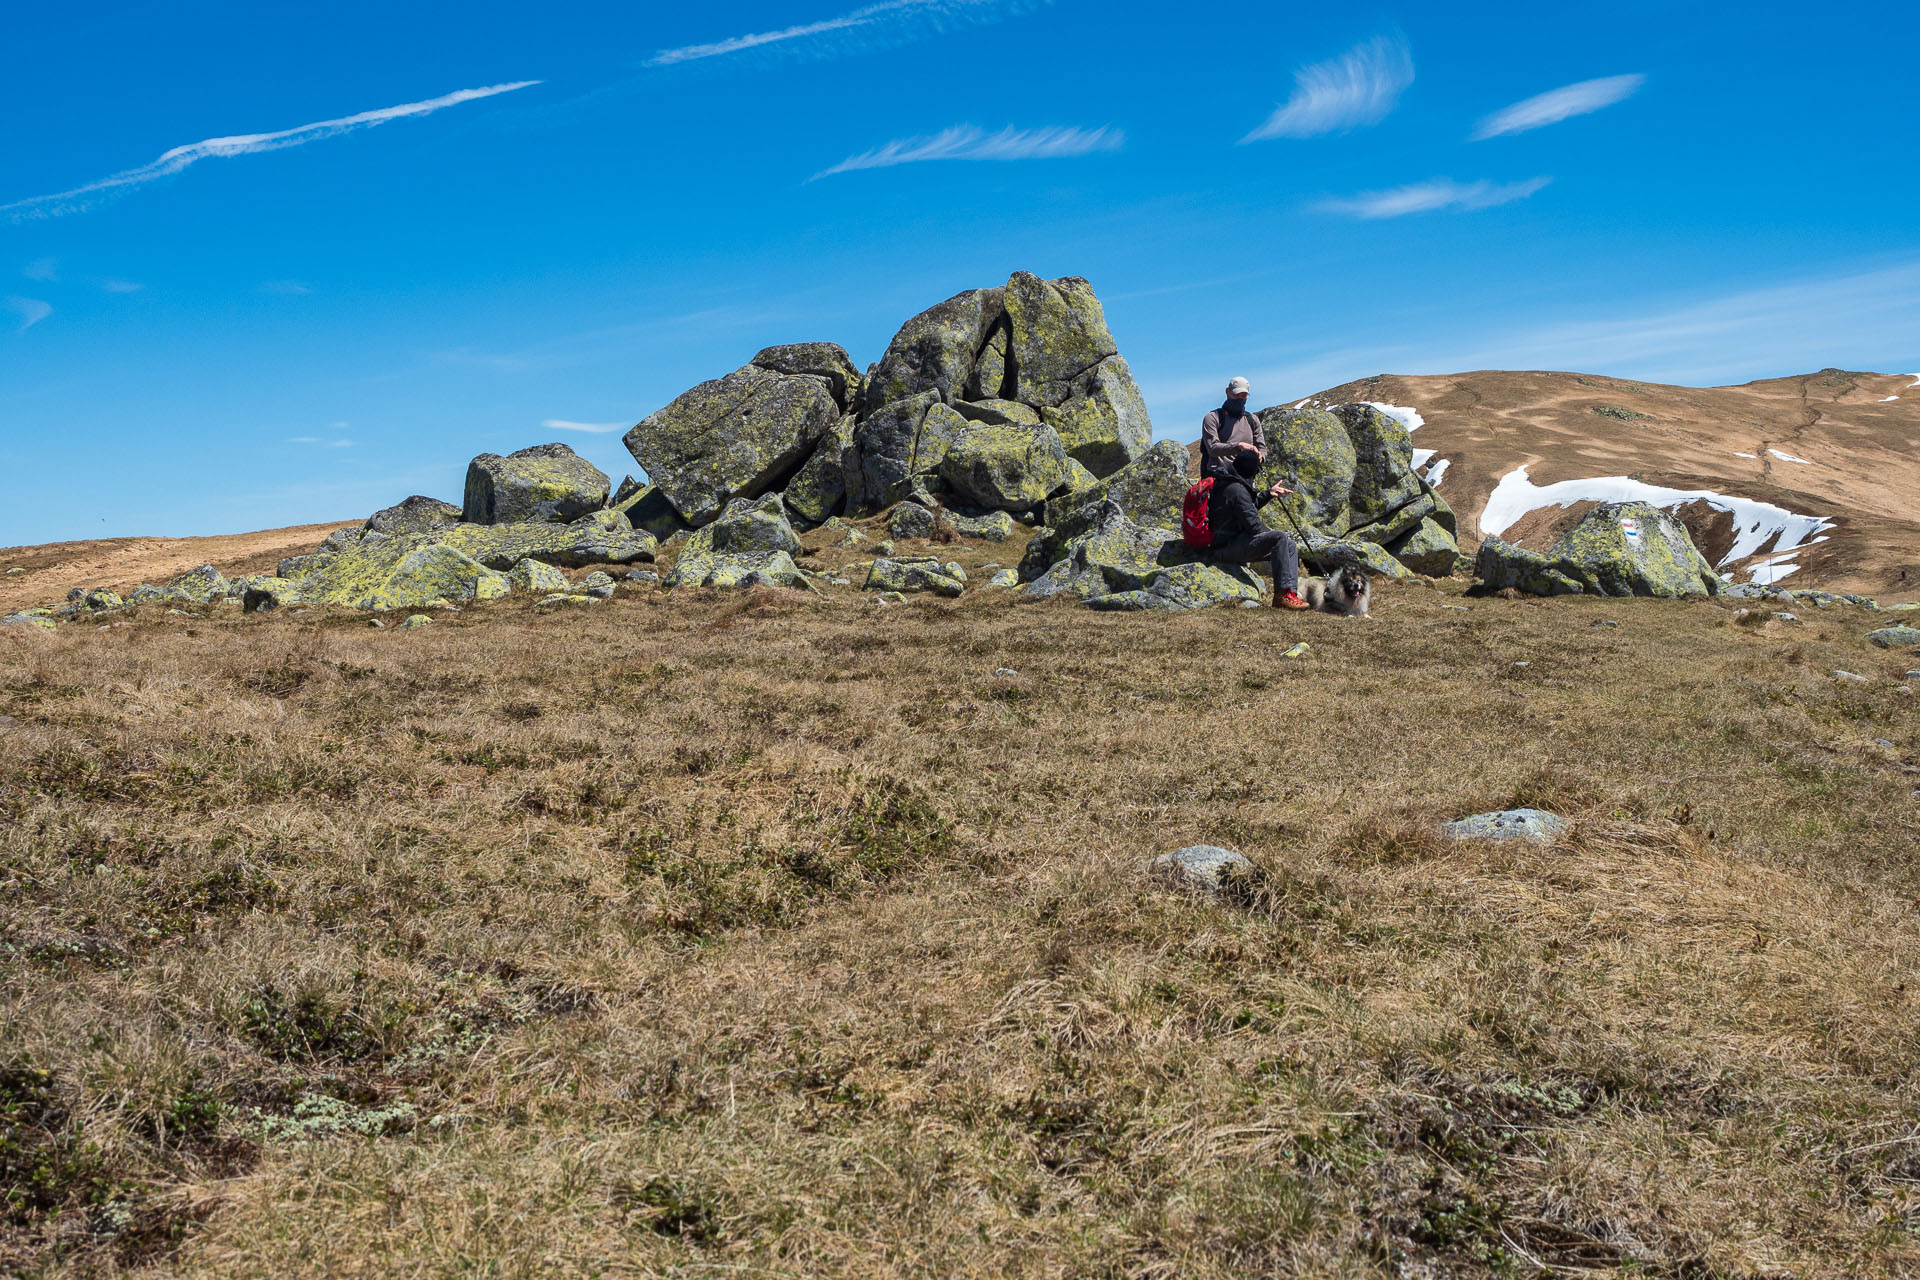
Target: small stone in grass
[
  {"x": 416, "y": 620},
  {"x": 1296, "y": 651},
  {"x": 1005, "y": 671},
  {"x": 1848, "y": 675},
  {"x": 1204, "y": 868},
  {"x": 1509, "y": 824}
]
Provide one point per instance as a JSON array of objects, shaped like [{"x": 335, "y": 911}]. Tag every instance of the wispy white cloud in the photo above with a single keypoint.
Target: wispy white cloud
[
  {"x": 41, "y": 269},
  {"x": 245, "y": 144},
  {"x": 316, "y": 440},
  {"x": 594, "y": 428},
  {"x": 967, "y": 142},
  {"x": 887, "y": 22},
  {"x": 1428, "y": 197},
  {"x": 1358, "y": 88},
  {"x": 117, "y": 285},
  {"x": 1557, "y": 105},
  {"x": 30, "y": 311}
]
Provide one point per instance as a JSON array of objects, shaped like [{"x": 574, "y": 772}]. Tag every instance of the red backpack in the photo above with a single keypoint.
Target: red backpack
[{"x": 1195, "y": 529}]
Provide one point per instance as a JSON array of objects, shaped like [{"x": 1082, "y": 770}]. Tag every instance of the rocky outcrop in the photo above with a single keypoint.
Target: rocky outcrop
[
  {"x": 1148, "y": 567},
  {"x": 416, "y": 515},
  {"x": 1356, "y": 493},
  {"x": 915, "y": 573},
  {"x": 548, "y": 483},
  {"x": 1149, "y": 489},
  {"x": 1618, "y": 549},
  {"x": 1004, "y": 468},
  {"x": 393, "y": 573},
  {"x": 748, "y": 538},
  {"x": 747, "y": 433}
]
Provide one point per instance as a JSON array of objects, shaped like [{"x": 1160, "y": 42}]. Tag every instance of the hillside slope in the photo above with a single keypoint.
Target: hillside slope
[{"x": 1843, "y": 447}]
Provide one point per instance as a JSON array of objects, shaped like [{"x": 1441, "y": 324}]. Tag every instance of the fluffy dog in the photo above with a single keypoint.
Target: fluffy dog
[{"x": 1346, "y": 591}]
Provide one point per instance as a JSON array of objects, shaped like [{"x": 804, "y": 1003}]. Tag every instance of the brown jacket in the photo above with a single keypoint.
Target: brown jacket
[{"x": 1223, "y": 427}]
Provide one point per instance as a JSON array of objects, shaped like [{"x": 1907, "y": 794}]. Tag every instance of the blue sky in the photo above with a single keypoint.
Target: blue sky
[{"x": 263, "y": 265}]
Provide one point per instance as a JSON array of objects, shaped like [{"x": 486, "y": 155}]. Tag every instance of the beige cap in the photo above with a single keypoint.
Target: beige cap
[{"x": 1238, "y": 387}]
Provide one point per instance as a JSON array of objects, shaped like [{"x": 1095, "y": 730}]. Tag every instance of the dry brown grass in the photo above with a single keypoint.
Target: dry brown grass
[{"x": 780, "y": 936}]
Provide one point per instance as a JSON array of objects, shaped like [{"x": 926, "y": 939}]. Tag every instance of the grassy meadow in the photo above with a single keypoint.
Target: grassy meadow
[{"x": 757, "y": 934}]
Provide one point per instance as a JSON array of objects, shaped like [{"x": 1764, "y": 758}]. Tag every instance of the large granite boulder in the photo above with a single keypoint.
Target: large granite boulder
[
  {"x": 1617, "y": 549},
  {"x": 738, "y": 436},
  {"x": 1150, "y": 490},
  {"x": 819, "y": 489},
  {"x": 1428, "y": 549},
  {"x": 415, "y": 515},
  {"x": 913, "y": 573},
  {"x": 1005, "y": 468},
  {"x": 198, "y": 586},
  {"x": 647, "y": 509},
  {"x": 396, "y": 573},
  {"x": 883, "y": 449},
  {"x": 1057, "y": 334},
  {"x": 937, "y": 350},
  {"x": 548, "y": 483},
  {"x": 827, "y": 360},
  {"x": 742, "y": 569},
  {"x": 1383, "y": 478},
  {"x": 1103, "y": 421}
]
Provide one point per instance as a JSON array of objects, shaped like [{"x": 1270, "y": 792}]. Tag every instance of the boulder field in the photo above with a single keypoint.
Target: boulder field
[{"x": 996, "y": 408}]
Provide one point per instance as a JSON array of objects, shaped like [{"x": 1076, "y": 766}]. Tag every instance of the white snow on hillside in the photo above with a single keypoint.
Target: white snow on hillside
[
  {"x": 1408, "y": 418},
  {"x": 1755, "y": 523},
  {"x": 1884, "y": 399},
  {"x": 1770, "y": 571},
  {"x": 1754, "y": 456},
  {"x": 1434, "y": 472},
  {"x": 1787, "y": 457}
]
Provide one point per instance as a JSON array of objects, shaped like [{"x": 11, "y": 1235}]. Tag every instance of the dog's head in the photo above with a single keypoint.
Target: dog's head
[{"x": 1350, "y": 582}]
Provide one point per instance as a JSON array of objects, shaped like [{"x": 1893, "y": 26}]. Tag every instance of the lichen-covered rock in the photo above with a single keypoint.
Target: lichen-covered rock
[
  {"x": 648, "y": 510},
  {"x": 1149, "y": 490},
  {"x": 1103, "y": 422},
  {"x": 1187, "y": 586},
  {"x": 998, "y": 413},
  {"x": 433, "y": 574},
  {"x": 1618, "y": 549},
  {"x": 535, "y": 575},
  {"x": 913, "y": 573},
  {"x": 597, "y": 584},
  {"x": 198, "y": 586},
  {"x": 1308, "y": 451},
  {"x": 1428, "y": 549},
  {"x": 819, "y": 488},
  {"x": 414, "y": 515},
  {"x": 416, "y": 621},
  {"x": 99, "y": 600},
  {"x": 1396, "y": 524},
  {"x": 548, "y": 483},
  {"x": 264, "y": 593},
  {"x": 1112, "y": 555},
  {"x": 30, "y": 621},
  {"x": 1005, "y": 579},
  {"x": 1328, "y": 554},
  {"x": 1383, "y": 479},
  {"x": 883, "y": 449},
  {"x": 825, "y": 360},
  {"x": 935, "y": 352},
  {"x": 1895, "y": 637},
  {"x": 910, "y": 520},
  {"x": 1005, "y": 468},
  {"x": 737, "y": 436},
  {"x": 995, "y": 526},
  {"x": 737, "y": 545},
  {"x": 745, "y": 568},
  {"x": 1058, "y": 334}
]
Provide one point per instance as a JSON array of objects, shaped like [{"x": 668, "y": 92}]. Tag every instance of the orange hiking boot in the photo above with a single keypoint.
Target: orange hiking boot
[{"x": 1289, "y": 600}]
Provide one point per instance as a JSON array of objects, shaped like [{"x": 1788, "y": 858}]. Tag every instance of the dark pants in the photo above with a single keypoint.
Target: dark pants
[{"x": 1271, "y": 545}]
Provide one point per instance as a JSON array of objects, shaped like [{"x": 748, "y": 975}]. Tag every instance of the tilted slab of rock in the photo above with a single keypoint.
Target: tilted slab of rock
[
  {"x": 536, "y": 575},
  {"x": 818, "y": 490},
  {"x": 1308, "y": 451},
  {"x": 648, "y": 510},
  {"x": 1383, "y": 479},
  {"x": 936, "y": 351},
  {"x": 1103, "y": 421},
  {"x": 1058, "y": 334},
  {"x": 1895, "y": 637},
  {"x": 1618, "y": 549},
  {"x": 737, "y": 436},
  {"x": 548, "y": 483},
  {"x": 1429, "y": 549},
  {"x": 415, "y": 515},
  {"x": 827, "y": 360},
  {"x": 1325, "y": 555},
  {"x": 883, "y": 449}
]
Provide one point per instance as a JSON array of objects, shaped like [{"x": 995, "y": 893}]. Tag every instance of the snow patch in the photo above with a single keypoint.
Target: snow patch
[
  {"x": 1754, "y": 522},
  {"x": 1787, "y": 457},
  {"x": 1431, "y": 474},
  {"x": 1915, "y": 382},
  {"x": 1754, "y": 456},
  {"x": 1768, "y": 572},
  {"x": 1885, "y": 399},
  {"x": 1436, "y": 471},
  {"x": 1408, "y": 418}
]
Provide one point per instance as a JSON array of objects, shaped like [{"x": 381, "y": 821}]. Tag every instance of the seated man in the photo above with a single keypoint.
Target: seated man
[{"x": 1239, "y": 536}]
